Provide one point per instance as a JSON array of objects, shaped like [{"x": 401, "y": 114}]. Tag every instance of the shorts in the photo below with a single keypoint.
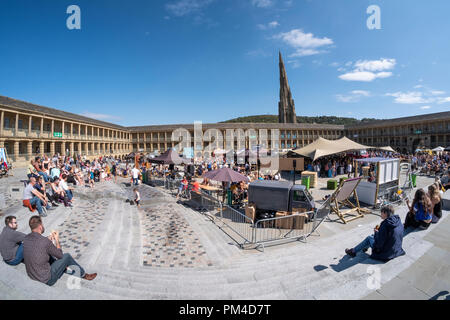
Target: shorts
[{"x": 137, "y": 202}]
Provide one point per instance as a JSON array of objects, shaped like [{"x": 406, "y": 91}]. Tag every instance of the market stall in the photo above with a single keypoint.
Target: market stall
[{"x": 385, "y": 176}]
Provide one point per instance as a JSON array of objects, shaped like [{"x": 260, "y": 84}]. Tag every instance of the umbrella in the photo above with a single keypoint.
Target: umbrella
[
  {"x": 447, "y": 149},
  {"x": 225, "y": 175},
  {"x": 438, "y": 149},
  {"x": 169, "y": 157}
]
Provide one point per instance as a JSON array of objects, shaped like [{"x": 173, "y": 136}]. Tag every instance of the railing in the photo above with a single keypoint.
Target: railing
[{"x": 245, "y": 232}]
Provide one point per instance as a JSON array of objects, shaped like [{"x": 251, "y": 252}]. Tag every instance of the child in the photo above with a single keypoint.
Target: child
[
  {"x": 91, "y": 177},
  {"x": 137, "y": 197}
]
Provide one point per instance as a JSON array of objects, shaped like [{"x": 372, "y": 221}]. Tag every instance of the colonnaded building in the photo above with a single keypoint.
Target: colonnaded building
[{"x": 27, "y": 130}]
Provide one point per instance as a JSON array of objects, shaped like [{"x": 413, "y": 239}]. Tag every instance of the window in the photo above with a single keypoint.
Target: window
[
  {"x": 299, "y": 195},
  {"x": 7, "y": 123}
]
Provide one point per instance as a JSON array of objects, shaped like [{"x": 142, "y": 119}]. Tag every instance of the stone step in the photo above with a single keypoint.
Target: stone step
[
  {"x": 92, "y": 253},
  {"x": 135, "y": 244},
  {"x": 123, "y": 243},
  {"x": 110, "y": 242}
]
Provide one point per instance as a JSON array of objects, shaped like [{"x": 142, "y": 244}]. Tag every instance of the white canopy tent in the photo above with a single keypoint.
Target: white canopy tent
[
  {"x": 438, "y": 149},
  {"x": 323, "y": 147}
]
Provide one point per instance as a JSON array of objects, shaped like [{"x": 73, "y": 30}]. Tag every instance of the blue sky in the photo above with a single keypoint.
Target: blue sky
[{"x": 177, "y": 61}]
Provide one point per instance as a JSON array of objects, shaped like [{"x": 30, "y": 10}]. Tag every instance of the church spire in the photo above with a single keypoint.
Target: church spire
[{"x": 286, "y": 106}]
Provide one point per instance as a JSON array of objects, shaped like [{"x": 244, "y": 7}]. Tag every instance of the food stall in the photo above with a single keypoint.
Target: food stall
[{"x": 386, "y": 176}]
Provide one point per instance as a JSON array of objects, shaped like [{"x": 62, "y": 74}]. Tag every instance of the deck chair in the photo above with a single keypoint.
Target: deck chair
[{"x": 340, "y": 199}]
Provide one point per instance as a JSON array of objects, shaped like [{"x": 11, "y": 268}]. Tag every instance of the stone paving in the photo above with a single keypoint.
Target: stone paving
[
  {"x": 168, "y": 239},
  {"x": 78, "y": 231},
  {"x": 134, "y": 253}
]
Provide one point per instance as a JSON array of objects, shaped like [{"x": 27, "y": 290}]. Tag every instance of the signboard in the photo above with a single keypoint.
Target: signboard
[
  {"x": 418, "y": 132},
  {"x": 57, "y": 134},
  {"x": 287, "y": 164}
]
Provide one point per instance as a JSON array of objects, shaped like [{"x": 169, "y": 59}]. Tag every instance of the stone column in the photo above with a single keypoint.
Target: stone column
[
  {"x": 42, "y": 147},
  {"x": 30, "y": 124},
  {"x": 2, "y": 120},
  {"x": 72, "y": 150},
  {"x": 62, "y": 128},
  {"x": 86, "y": 148},
  {"x": 53, "y": 128},
  {"x": 63, "y": 148},
  {"x": 42, "y": 130},
  {"x": 17, "y": 124},
  {"x": 80, "y": 152},
  {"x": 52, "y": 147},
  {"x": 16, "y": 149},
  {"x": 29, "y": 149},
  {"x": 93, "y": 146}
]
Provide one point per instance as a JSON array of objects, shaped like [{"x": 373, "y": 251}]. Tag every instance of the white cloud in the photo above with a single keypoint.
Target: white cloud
[
  {"x": 186, "y": 7},
  {"x": 409, "y": 97},
  {"x": 364, "y": 76},
  {"x": 271, "y": 25},
  {"x": 437, "y": 92},
  {"x": 295, "y": 64},
  {"x": 354, "y": 96},
  {"x": 375, "y": 65},
  {"x": 262, "y": 3},
  {"x": 306, "y": 44},
  {"x": 361, "y": 93},
  {"x": 444, "y": 100},
  {"x": 368, "y": 70},
  {"x": 419, "y": 86},
  {"x": 425, "y": 107},
  {"x": 304, "y": 53}
]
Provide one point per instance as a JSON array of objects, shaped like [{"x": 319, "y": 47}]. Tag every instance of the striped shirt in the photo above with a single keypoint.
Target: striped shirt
[{"x": 37, "y": 250}]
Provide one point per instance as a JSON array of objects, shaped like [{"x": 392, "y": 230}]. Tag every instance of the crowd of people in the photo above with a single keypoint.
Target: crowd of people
[
  {"x": 386, "y": 242},
  {"x": 52, "y": 181}
]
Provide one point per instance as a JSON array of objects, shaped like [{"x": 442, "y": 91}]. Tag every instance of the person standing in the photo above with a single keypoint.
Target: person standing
[
  {"x": 137, "y": 197},
  {"x": 11, "y": 247},
  {"x": 135, "y": 174},
  {"x": 44, "y": 261}
]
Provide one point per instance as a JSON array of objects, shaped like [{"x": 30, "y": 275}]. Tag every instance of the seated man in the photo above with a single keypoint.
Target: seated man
[
  {"x": 445, "y": 181},
  {"x": 67, "y": 190},
  {"x": 39, "y": 256},
  {"x": 11, "y": 247},
  {"x": 386, "y": 243},
  {"x": 35, "y": 198}
]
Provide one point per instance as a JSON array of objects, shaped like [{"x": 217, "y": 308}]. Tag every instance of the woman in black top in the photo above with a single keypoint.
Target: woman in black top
[{"x": 435, "y": 197}]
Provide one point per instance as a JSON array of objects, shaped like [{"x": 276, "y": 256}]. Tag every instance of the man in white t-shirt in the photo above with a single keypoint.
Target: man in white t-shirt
[{"x": 135, "y": 173}]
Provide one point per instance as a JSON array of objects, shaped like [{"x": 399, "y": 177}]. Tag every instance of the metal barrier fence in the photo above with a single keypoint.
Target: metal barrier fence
[
  {"x": 244, "y": 231},
  {"x": 294, "y": 227}
]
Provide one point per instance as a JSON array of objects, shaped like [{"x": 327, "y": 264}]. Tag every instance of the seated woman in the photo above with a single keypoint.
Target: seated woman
[
  {"x": 31, "y": 171},
  {"x": 435, "y": 198},
  {"x": 420, "y": 212}
]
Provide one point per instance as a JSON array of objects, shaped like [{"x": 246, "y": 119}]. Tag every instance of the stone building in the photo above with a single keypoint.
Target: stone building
[
  {"x": 404, "y": 134},
  {"x": 27, "y": 130}
]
